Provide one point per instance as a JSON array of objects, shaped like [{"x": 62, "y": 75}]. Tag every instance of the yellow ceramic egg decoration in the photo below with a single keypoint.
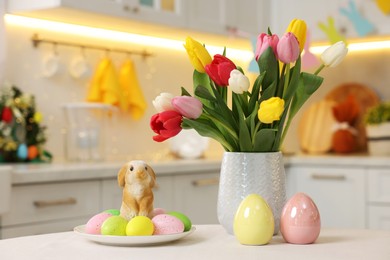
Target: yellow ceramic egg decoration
[{"x": 254, "y": 222}]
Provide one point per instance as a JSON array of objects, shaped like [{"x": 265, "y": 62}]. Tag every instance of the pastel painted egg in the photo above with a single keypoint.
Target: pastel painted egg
[
  {"x": 94, "y": 224},
  {"x": 165, "y": 224},
  {"x": 157, "y": 211},
  {"x": 183, "y": 218},
  {"x": 114, "y": 212},
  {"x": 114, "y": 226},
  {"x": 32, "y": 152},
  {"x": 140, "y": 226},
  {"x": 254, "y": 222},
  {"x": 300, "y": 222},
  {"x": 22, "y": 151}
]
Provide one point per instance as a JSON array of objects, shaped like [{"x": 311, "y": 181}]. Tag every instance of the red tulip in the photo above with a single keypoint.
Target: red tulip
[
  {"x": 166, "y": 125},
  {"x": 264, "y": 41},
  {"x": 219, "y": 70},
  {"x": 6, "y": 115},
  {"x": 288, "y": 48}
]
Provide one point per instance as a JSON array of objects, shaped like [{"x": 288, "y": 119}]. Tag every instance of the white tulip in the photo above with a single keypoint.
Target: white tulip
[
  {"x": 238, "y": 82},
  {"x": 334, "y": 54},
  {"x": 163, "y": 102}
]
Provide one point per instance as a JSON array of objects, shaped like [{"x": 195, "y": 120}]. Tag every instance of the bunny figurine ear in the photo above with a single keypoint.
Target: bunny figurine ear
[
  {"x": 331, "y": 31},
  {"x": 383, "y": 5},
  {"x": 309, "y": 60},
  {"x": 361, "y": 24}
]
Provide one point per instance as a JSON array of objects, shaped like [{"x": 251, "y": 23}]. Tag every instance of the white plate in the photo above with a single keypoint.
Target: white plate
[{"x": 131, "y": 240}]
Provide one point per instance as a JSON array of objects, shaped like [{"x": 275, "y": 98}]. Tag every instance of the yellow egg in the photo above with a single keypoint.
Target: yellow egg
[
  {"x": 254, "y": 222},
  {"x": 140, "y": 226}
]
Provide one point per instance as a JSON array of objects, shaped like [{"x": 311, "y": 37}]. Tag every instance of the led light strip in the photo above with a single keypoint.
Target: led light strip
[
  {"x": 357, "y": 46},
  {"x": 124, "y": 37}
]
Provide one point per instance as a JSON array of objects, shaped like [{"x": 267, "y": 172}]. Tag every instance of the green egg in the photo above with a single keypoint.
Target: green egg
[
  {"x": 114, "y": 212},
  {"x": 114, "y": 226},
  {"x": 183, "y": 218}
]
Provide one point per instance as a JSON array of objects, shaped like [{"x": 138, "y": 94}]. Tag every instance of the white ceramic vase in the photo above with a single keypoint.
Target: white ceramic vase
[{"x": 246, "y": 173}]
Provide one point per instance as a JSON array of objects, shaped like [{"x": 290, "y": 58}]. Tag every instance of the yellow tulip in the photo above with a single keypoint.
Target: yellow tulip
[
  {"x": 298, "y": 28},
  {"x": 270, "y": 110},
  {"x": 199, "y": 56}
]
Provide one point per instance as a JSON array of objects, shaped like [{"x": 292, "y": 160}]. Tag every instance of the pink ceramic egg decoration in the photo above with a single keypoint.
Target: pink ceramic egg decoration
[
  {"x": 94, "y": 224},
  {"x": 300, "y": 222}
]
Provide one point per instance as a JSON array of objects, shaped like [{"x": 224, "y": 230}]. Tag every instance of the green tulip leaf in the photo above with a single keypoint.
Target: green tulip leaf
[
  {"x": 268, "y": 62},
  {"x": 264, "y": 140}
]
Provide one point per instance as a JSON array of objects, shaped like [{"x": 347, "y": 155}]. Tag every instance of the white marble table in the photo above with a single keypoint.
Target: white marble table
[{"x": 207, "y": 242}]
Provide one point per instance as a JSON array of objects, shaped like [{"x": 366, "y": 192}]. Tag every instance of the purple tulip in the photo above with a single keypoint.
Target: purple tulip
[
  {"x": 189, "y": 107},
  {"x": 264, "y": 41},
  {"x": 288, "y": 48}
]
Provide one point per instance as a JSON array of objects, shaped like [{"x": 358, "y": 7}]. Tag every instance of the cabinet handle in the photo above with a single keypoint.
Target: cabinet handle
[
  {"x": 205, "y": 182},
  {"x": 50, "y": 203},
  {"x": 328, "y": 177}
]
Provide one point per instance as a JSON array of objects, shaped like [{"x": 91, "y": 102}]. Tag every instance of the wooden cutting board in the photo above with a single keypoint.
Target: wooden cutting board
[
  {"x": 366, "y": 98},
  {"x": 315, "y": 127}
]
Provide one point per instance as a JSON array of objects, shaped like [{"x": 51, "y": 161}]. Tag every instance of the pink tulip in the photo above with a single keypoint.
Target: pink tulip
[
  {"x": 264, "y": 41},
  {"x": 219, "y": 70},
  {"x": 166, "y": 125},
  {"x": 288, "y": 48},
  {"x": 189, "y": 107}
]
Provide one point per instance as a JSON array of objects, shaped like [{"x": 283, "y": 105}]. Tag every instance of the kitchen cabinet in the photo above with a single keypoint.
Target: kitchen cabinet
[
  {"x": 378, "y": 198},
  {"x": 338, "y": 192},
  {"x": 245, "y": 17},
  {"x": 314, "y": 12},
  {"x": 41, "y": 208},
  {"x": 166, "y": 12},
  {"x": 57, "y": 198},
  {"x": 222, "y": 17},
  {"x": 196, "y": 196}
]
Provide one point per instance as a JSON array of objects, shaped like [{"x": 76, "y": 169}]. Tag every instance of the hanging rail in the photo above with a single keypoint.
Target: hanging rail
[{"x": 36, "y": 41}]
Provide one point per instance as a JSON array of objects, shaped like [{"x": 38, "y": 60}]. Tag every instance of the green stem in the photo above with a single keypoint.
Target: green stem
[
  {"x": 319, "y": 69},
  {"x": 285, "y": 130},
  {"x": 255, "y": 131},
  {"x": 287, "y": 78}
]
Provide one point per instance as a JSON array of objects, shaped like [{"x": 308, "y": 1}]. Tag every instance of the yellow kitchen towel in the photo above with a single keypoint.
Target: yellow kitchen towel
[
  {"x": 131, "y": 90},
  {"x": 104, "y": 86}
]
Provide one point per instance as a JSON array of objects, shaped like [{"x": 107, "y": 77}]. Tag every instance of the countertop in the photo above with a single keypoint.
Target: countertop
[
  {"x": 206, "y": 242},
  {"x": 68, "y": 171}
]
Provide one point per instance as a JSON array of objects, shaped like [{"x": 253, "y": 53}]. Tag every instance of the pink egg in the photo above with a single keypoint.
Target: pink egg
[
  {"x": 166, "y": 224},
  {"x": 94, "y": 224},
  {"x": 300, "y": 222},
  {"x": 156, "y": 211}
]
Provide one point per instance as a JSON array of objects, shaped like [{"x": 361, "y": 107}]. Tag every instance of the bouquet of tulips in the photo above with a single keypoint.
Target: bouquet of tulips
[{"x": 259, "y": 116}]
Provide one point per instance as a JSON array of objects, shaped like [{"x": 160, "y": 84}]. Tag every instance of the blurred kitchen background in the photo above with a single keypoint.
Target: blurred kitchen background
[
  {"x": 168, "y": 69},
  {"x": 354, "y": 184}
]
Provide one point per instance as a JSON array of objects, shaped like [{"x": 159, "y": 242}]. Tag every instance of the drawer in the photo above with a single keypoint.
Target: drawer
[
  {"x": 45, "y": 202},
  {"x": 339, "y": 193},
  {"x": 42, "y": 228},
  {"x": 379, "y": 185},
  {"x": 379, "y": 217}
]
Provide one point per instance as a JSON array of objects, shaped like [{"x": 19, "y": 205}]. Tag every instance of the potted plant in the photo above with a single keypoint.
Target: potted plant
[{"x": 377, "y": 120}]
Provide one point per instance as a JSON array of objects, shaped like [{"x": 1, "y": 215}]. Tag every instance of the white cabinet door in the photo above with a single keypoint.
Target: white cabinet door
[
  {"x": 249, "y": 17},
  {"x": 313, "y": 12},
  {"x": 163, "y": 194},
  {"x": 379, "y": 217},
  {"x": 339, "y": 193},
  {"x": 166, "y": 12},
  {"x": 196, "y": 196},
  {"x": 244, "y": 17}
]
